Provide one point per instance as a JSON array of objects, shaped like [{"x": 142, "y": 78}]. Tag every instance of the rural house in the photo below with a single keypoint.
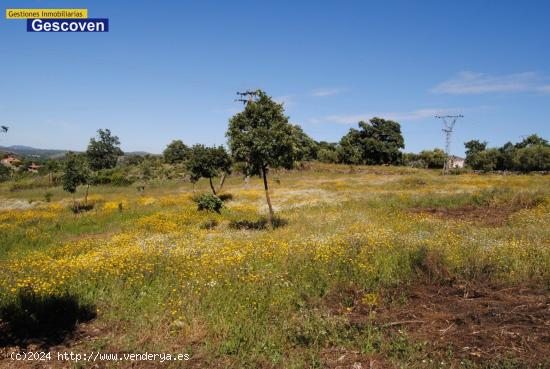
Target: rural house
[
  {"x": 9, "y": 161},
  {"x": 455, "y": 162}
]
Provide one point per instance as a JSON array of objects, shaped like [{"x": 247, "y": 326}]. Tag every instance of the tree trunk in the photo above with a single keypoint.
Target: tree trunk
[
  {"x": 222, "y": 181},
  {"x": 212, "y": 186},
  {"x": 86, "y": 196},
  {"x": 266, "y": 188},
  {"x": 75, "y": 207}
]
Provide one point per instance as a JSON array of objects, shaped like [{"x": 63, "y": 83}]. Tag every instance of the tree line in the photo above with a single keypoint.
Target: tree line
[
  {"x": 530, "y": 154},
  {"x": 261, "y": 138}
]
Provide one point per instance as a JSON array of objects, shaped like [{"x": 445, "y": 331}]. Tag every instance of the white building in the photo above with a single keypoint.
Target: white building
[{"x": 455, "y": 162}]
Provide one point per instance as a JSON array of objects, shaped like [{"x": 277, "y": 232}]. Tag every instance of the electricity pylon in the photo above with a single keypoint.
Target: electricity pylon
[{"x": 449, "y": 122}]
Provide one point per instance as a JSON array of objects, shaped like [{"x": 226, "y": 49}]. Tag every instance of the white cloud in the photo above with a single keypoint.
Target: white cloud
[
  {"x": 480, "y": 83},
  {"x": 287, "y": 100},
  {"x": 398, "y": 116},
  {"x": 322, "y": 92}
]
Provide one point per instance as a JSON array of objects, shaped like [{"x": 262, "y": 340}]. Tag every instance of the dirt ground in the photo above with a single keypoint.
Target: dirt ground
[
  {"x": 482, "y": 215},
  {"x": 480, "y": 322}
]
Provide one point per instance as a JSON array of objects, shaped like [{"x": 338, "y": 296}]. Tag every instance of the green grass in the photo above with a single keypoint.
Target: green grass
[{"x": 164, "y": 277}]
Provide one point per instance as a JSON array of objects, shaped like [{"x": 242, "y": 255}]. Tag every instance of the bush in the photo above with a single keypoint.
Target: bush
[
  {"x": 4, "y": 173},
  {"x": 258, "y": 224},
  {"x": 48, "y": 196},
  {"x": 327, "y": 156},
  {"x": 113, "y": 177},
  {"x": 533, "y": 158},
  {"x": 80, "y": 208},
  {"x": 209, "y": 202}
]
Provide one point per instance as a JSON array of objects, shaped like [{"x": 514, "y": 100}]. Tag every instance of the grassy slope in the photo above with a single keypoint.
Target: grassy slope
[{"x": 162, "y": 282}]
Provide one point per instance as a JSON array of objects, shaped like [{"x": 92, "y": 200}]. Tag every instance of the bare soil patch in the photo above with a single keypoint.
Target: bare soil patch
[
  {"x": 481, "y": 322},
  {"x": 483, "y": 215}
]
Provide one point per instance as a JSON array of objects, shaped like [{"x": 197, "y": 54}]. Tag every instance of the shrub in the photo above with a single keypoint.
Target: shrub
[
  {"x": 257, "y": 224},
  {"x": 113, "y": 177},
  {"x": 4, "y": 173},
  {"x": 225, "y": 197},
  {"x": 209, "y": 202},
  {"x": 327, "y": 156},
  {"x": 48, "y": 196},
  {"x": 80, "y": 208}
]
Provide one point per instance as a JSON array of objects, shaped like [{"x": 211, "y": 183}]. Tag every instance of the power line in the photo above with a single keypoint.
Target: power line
[
  {"x": 247, "y": 96},
  {"x": 449, "y": 122}
]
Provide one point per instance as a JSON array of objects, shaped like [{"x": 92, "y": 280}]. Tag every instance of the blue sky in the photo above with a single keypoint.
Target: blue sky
[{"x": 170, "y": 70}]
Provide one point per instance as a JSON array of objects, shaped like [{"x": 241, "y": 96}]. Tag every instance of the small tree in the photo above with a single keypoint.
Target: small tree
[
  {"x": 176, "y": 152},
  {"x": 473, "y": 147},
  {"x": 51, "y": 167},
  {"x": 77, "y": 172},
  {"x": 103, "y": 152},
  {"x": 208, "y": 162},
  {"x": 261, "y": 137}
]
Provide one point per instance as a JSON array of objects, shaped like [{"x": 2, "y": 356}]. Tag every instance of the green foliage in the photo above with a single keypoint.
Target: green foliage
[
  {"x": 115, "y": 177},
  {"x": 426, "y": 159},
  {"x": 103, "y": 152},
  {"x": 327, "y": 156},
  {"x": 304, "y": 147},
  {"x": 485, "y": 160},
  {"x": 4, "y": 173},
  {"x": 77, "y": 172},
  {"x": 209, "y": 202},
  {"x": 532, "y": 140},
  {"x": 376, "y": 142},
  {"x": 261, "y": 136},
  {"x": 52, "y": 165},
  {"x": 257, "y": 224},
  {"x": 533, "y": 158},
  {"x": 176, "y": 152},
  {"x": 208, "y": 162},
  {"x": 327, "y": 152},
  {"x": 531, "y": 154}
]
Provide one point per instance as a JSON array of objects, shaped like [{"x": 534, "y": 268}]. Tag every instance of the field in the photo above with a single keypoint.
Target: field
[{"x": 368, "y": 267}]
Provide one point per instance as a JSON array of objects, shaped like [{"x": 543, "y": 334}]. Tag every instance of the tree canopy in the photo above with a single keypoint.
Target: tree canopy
[
  {"x": 377, "y": 142},
  {"x": 261, "y": 136},
  {"x": 104, "y": 151},
  {"x": 176, "y": 152},
  {"x": 208, "y": 162},
  {"x": 76, "y": 172}
]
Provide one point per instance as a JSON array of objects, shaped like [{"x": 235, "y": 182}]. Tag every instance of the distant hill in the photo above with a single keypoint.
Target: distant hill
[{"x": 32, "y": 152}]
